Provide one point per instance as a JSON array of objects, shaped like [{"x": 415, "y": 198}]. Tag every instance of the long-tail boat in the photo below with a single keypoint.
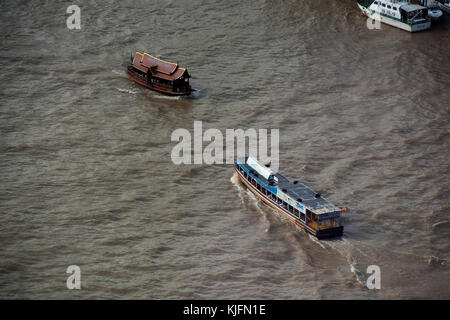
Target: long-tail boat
[
  {"x": 159, "y": 75},
  {"x": 304, "y": 207}
]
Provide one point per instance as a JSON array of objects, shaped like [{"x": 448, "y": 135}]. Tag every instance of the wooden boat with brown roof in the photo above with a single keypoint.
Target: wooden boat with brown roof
[{"x": 159, "y": 75}]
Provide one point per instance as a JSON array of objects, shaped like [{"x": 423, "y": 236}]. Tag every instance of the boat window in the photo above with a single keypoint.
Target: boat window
[
  {"x": 383, "y": 5},
  {"x": 297, "y": 213},
  {"x": 302, "y": 216},
  {"x": 291, "y": 209},
  {"x": 389, "y": 7},
  {"x": 395, "y": 8}
]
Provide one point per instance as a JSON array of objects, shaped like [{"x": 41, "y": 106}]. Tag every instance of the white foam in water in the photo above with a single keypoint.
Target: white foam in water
[
  {"x": 118, "y": 72},
  {"x": 195, "y": 94},
  {"x": 251, "y": 195},
  {"x": 159, "y": 96},
  {"x": 235, "y": 180},
  {"x": 127, "y": 91},
  {"x": 439, "y": 223},
  {"x": 357, "y": 273},
  {"x": 315, "y": 240},
  {"x": 343, "y": 247},
  {"x": 257, "y": 204}
]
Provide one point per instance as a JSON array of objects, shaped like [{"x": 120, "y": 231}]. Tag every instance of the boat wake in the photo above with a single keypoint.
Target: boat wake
[
  {"x": 127, "y": 91},
  {"x": 314, "y": 239},
  {"x": 344, "y": 248},
  {"x": 255, "y": 201},
  {"x": 119, "y": 72},
  {"x": 159, "y": 96},
  {"x": 235, "y": 181},
  {"x": 341, "y": 245},
  {"x": 359, "y": 275},
  {"x": 196, "y": 94}
]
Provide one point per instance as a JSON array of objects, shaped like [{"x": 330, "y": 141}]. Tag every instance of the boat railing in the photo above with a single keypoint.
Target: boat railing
[
  {"x": 162, "y": 84},
  {"x": 417, "y": 19}
]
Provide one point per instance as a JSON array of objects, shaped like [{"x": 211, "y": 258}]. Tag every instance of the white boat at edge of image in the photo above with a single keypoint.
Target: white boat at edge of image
[{"x": 398, "y": 13}]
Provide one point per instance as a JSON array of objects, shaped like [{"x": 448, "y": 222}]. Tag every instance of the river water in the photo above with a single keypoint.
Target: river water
[{"x": 86, "y": 176}]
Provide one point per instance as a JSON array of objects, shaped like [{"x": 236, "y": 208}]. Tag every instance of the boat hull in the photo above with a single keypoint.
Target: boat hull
[
  {"x": 395, "y": 23},
  {"x": 165, "y": 90},
  {"x": 319, "y": 234}
]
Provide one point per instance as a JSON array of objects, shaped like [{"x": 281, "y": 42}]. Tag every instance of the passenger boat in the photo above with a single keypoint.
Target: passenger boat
[
  {"x": 398, "y": 13},
  {"x": 159, "y": 75},
  {"x": 445, "y": 5},
  {"x": 306, "y": 208}
]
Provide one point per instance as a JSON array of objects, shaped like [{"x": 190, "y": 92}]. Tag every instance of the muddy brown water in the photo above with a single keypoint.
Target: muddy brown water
[{"x": 86, "y": 176}]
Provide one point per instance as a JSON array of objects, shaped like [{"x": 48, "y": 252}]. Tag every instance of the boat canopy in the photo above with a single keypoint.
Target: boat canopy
[
  {"x": 158, "y": 68},
  {"x": 412, "y": 7},
  {"x": 258, "y": 167},
  {"x": 294, "y": 193}
]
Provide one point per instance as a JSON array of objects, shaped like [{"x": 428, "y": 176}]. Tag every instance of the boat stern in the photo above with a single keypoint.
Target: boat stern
[{"x": 330, "y": 232}]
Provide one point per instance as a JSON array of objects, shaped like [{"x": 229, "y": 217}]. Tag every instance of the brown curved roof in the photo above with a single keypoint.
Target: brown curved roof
[{"x": 159, "y": 68}]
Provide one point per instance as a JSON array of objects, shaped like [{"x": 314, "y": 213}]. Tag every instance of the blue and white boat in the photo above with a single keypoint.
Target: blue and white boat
[{"x": 306, "y": 208}]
